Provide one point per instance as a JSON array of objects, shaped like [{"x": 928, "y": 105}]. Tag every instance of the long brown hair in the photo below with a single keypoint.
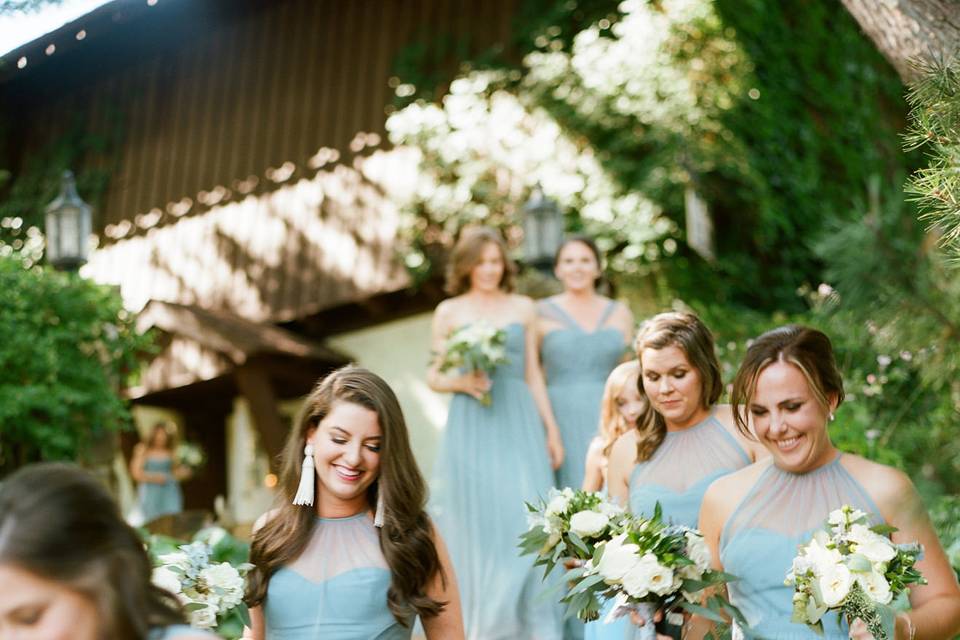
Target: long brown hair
[
  {"x": 406, "y": 537},
  {"x": 804, "y": 347},
  {"x": 688, "y": 333},
  {"x": 612, "y": 424},
  {"x": 167, "y": 428},
  {"x": 467, "y": 254},
  {"x": 59, "y": 523}
]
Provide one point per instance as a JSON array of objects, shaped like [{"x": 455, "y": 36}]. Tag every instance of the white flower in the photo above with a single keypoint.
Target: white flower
[
  {"x": 648, "y": 576},
  {"x": 611, "y": 509},
  {"x": 204, "y": 618},
  {"x": 875, "y": 586},
  {"x": 618, "y": 558},
  {"x": 698, "y": 551},
  {"x": 872, "y": 546},
  {"x": 834, "y": 584},
  {"x": 588, "y": 524},
  {"x": 166, "y": 579},
  {"x": 177, "y": 558},
  {"x": 558, "y": 504},
  {"x": 823, "y": 559},
  {"x": 225, "y": 577},
  {"x": 814, "y": 610}
]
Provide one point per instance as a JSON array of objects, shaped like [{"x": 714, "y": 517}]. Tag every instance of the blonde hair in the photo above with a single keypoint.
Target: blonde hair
[
  {"x": 612, "y": 423},
  {"x": 467, "y": 254}
]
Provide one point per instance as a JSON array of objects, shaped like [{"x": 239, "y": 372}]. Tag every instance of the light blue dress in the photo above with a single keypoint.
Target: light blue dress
[
  {"x": 677, "y": 476},
  {"x": 159, "y": 499},
  {"x": 761, "y": 537},
  {"x": 174, "y": 632},
  {"x": 576, "y": 364},
  {"x": 491, "y": 460},
  {"x": 336, "y": 588},
  {"x": 680, "y": 470}
]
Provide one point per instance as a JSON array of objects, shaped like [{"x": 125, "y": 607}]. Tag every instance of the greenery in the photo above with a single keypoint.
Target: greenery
[
  {"x": 935, "y": 127},
  {"x": 68, "y": 349}
]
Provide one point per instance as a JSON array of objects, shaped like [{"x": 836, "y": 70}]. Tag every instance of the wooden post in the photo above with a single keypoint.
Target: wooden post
[{"x": 254, "y": 384}]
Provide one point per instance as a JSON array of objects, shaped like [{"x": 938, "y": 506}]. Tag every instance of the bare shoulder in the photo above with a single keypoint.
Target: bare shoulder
[
  {"x": 624, "y": 451},
  {"x": 727, "y": 491},
  {"x": 264, "y": 519},
  {"x": 596, "y": 446},
  {"x": 525, "y": 304},
  {"x": 447, "y": 308},
  {"x": 891, "y": 489},
  {"x": 621, "y": 313}
]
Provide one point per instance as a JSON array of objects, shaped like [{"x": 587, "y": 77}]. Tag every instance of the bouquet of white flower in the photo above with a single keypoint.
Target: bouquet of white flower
[
  {"x": 645, "y": 565},
  {"x": 477, "y": 346},
  {"x": 854, "y": 569},
  {"x": 209, "y": 591},
  {"x": 568, "y": 525},
  {"x": 190, "y": 455}
]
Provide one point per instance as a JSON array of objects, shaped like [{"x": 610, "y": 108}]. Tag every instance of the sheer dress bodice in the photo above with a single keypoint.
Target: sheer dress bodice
[
  {"x": 337, "y": 588},
  {"x": 760, "y": 539}
]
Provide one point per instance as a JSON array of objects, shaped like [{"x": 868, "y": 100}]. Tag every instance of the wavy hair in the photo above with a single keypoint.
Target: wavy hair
[
  {"x": 59, "y": 523},
  {"x": 467, "y": 254},
  {"x": 406, "y": 537},
  {"x": 688, "y": 333},
  {"x": 806, "y": 348}
]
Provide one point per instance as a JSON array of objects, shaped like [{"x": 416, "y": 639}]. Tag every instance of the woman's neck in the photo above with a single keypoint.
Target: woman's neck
[
  {"x": 696, "y": 418},
  {"x": 577, "y": 297},
  {"x": 485, "y": 296},
  {"x": 333, "y": 507}
]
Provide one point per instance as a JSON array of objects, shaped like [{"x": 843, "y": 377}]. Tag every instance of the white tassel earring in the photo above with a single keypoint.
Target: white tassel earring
[
  {"x": 307, "y": 478},
  {"x": 378, "y": 515}
]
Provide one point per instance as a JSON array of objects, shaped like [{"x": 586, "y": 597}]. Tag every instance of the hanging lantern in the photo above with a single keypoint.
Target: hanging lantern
[
  {"x": 542, "y": 230},
  {"x": 68, "y": 226}
]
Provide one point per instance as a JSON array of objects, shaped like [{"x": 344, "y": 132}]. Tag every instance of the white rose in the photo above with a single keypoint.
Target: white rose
[
  {"x": 226, "y": 577},
  {"x": 835, "y": 584},
  {"x": 698, "y": 551},
  {"x": 558, "y": 504},
  {"x": 618, "y": 558},
  {"x": 588, "y": 524},
  {"x": 166, "y": 579},
  {"x": 872, "y": 546},
  {"x": 648, "y": 576},
  {"x": 611, "y": 509},
  {"x": 823, "y": 559},
  {"x": 875, "y": 586},
  {"x": 203, "y": 618}
]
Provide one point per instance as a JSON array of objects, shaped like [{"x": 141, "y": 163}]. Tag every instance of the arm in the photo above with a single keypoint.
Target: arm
[
  {"x": 538, "y": 387},
  {"x": 257, "y": 629},
  {"x": 623, "y": 458},
  {"x": 137, "y": 471},
  {"x": 936, "y": 605},
  {"x": 443, "y": 588},
  {"x": 593, "y": 475},
  {"x": 475, "y": 384},
  {"x": 712, "y": 517},
  {"x": 623, "y": 320}
]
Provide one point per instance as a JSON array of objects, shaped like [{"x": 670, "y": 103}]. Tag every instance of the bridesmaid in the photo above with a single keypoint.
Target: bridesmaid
[
  {"x": 492, "y": 458},
  {"x": 684, "y": 440},
  {"x": 753, "y": 520},
  {"x": 154, "y": 467},
  {"x": 326, "y": 565},
  {"x": 583, "y": 336}
]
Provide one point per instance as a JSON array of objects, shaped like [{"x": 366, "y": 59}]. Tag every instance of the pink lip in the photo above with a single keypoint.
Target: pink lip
[{"x": 348, "y": 478}]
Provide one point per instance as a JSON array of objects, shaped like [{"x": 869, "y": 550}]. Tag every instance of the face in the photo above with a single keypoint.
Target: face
[
  {"x": 487, "y": 274},
  {"x": 577, "y": 267},
  {"x": 34, "y": 608},
  {"x": 788, "y": 420},
  {"x": 346, "y": 452},
  {"x": 673, "y": 386},
  {"x": 630, "y": 403},
  {"x": 160, "y": 439}
]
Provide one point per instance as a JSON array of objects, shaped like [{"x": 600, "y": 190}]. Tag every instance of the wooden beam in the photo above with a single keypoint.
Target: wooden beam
[{"x": 254, "y": 384}]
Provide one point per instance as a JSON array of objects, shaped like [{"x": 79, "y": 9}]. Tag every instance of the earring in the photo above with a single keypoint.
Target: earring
[
  {"x": 832, "y": 416},
  {"x": 307, "y": 476},
  {"x": 378, "y": 515}
]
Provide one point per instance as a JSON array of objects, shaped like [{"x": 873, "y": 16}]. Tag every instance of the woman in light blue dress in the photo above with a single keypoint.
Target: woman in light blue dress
[
  {"x": 684, "y": 440},
  {"x": 72, "y": 569},
  {"x": 154, "y": 467},
  {"x": 583, "y": 337},
  {"x": 753, "y": 520},
  {"x": 350, "y": 553},
  {"x": 493, "y": 458}
]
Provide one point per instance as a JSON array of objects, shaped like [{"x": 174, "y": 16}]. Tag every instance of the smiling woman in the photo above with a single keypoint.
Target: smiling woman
[{"x": 326, "y": 565}]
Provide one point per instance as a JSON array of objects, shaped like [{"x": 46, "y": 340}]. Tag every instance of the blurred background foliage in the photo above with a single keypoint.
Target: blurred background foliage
[{"x": 786, "y": 121}]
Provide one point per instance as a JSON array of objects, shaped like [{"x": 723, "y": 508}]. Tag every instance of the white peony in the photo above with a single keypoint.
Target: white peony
[
  {"x": 558, "y": 504},
  {"x": 872, "y": 546},
  {"x": 834, "y": 583},
  {"x": 166, "y": 579},
  {"x": 588, "y": 524},
  {"x": 648, "y": 576},
  {"x": 611, "y": 509},
  {"x": 698, "y": 551},
  {"x": 823, "y": 559},
  {"x": 203, "y": 618},
  {"x": 618, "y": 559},
  {"x": 875, "y": 586}
]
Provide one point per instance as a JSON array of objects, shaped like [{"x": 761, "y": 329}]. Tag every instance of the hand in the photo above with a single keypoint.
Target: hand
[
  {"x": 573, "y": 563},
  {"x": 475, "y": 384},
  {"x": 639, "y": 621},
  {"x": 901, "y": 629},
  {"x": 555, "y": 450}
]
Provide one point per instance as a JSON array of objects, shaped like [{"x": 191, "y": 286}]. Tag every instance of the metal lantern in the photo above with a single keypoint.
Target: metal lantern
[
  {"x": 542, "y": 230},
  {"x": 68, "y": 226}
]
